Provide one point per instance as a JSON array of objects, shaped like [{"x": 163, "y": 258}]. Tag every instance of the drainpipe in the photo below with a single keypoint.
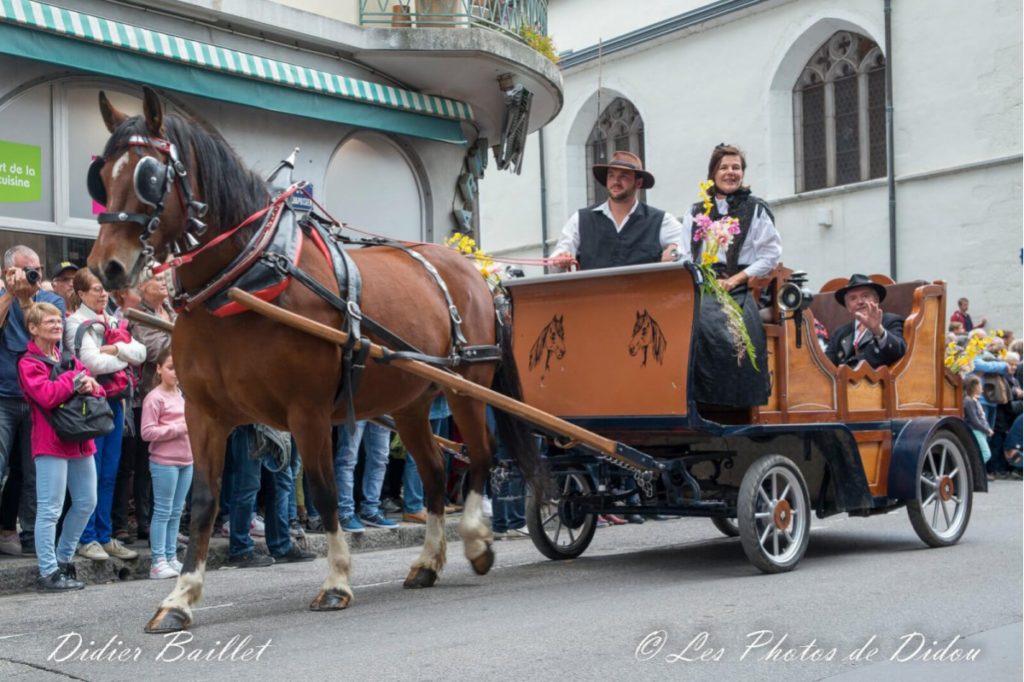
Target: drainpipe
[
  {"x": 889, "y": 133},
  {"x": 543, "y": 196}
]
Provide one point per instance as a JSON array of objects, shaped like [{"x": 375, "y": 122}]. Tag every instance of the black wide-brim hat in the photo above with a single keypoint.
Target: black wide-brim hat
[
  {"x": 857, "y": 281},
  {"x": 626, "y": 160}
]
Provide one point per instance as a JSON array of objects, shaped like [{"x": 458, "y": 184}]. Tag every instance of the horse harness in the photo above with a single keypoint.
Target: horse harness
[{"x": 270, "y": 260}]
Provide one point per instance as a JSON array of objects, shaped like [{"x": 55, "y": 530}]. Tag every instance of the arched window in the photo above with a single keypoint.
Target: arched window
[
  {"x": 839, "y": 114},
  {"x": 618, "y": 128}
]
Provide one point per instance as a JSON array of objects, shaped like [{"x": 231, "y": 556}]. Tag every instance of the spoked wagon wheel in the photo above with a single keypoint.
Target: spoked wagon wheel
[
  {"x": 727, "y": 526},
  {"x": 773, "y": 512},
  {"x": 941, "y": 507},
  {"x": 558, "y": 528}
]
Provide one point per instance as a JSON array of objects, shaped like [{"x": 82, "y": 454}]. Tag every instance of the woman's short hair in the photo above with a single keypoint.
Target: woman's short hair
[
  {"x": 37, "y": 311},
  {"x": 721, "y": 151}
]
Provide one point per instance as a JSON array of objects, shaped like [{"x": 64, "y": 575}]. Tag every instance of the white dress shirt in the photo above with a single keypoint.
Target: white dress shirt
[
  {"x": 671, "y": 231},
  {"x": 762, "y": 249}
]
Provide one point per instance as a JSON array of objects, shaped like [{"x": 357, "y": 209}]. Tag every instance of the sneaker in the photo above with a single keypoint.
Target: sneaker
[
  {"x": 115, "y": 549},
  {"x": 314, "y": 524},
  {"x": 250, "y": 560},
  {"x": 378, "y": 520},
  {"x": 614, "y": 520},
  {"x": 415, "y": 517},
  {"x": 58, "y": 582},
  {"x": 68, "y": 569},
  {"x": 175, "y": 564},
  {"x": 124, "y": 537},
  {"x": 634, "y": 518},
  {"x": 486, "y": 508},
  {"x": 602, "y": 522},
  {"x": 295, "y": 529},
  {"x": 295, "y": 555},
  {"x": 161, "y": 570},
  {"x": 257, "y": 528},
  {"x": 517, "y": 534},
  {"x": 28, "y": 546},
  {"x": 350, "y": 524},
  {"x": 10, "y": 544},
  {"x": 500, "y": 535},
  {"x": 389, "y": 506},
  {"x": 93, "y": 550}
]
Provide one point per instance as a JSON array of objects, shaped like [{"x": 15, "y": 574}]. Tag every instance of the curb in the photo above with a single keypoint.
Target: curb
[{"x": 18, "y": 574}]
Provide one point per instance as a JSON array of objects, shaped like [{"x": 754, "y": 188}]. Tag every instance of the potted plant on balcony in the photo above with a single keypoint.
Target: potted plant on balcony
[{"x": 438, "y": 13}]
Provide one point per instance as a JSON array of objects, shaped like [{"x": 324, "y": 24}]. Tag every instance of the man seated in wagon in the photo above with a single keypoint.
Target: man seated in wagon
[{"x": 873, "y": 336}]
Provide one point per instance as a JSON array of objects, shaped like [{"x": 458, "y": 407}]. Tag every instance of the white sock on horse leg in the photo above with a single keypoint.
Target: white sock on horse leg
[
  {"x": 188, "y": 590},
  {"x": 339, "y": 563},
  {"x": 435, "y": 545},
  {"x": 474, "y": 530}
]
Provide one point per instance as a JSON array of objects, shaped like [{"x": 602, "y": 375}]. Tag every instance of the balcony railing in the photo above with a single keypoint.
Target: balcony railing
[{"x": 511, "y": 17}]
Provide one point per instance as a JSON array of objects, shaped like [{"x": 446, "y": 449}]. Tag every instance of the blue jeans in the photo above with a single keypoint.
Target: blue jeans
[
  {"x": 377, "y": 448},
  {"x": 245, "y": 485},
  {"x": 508, "y": 502},
  {"x": 16, "y": 451},
  {"x": 170, "y": 486},
  {"x": 412, "y": 484},
  {"x": 54, "y": 476},
  {"x": 107, "y": 458},
  {"x": 293, "y": 500}
]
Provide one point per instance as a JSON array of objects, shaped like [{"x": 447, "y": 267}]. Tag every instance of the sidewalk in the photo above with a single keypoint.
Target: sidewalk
[{"x": 18, "y": 574}]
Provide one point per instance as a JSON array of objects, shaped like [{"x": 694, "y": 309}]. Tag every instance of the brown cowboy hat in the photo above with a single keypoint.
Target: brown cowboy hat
[
  {"x": 626, "y": 160},
  {"x": 856, "y": 282}
]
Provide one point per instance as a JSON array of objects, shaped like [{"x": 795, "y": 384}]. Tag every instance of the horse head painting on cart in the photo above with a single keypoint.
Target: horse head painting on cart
[{"x": 174, "y": 189}]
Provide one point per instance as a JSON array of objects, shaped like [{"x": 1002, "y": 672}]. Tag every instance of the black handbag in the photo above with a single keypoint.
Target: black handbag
[{"x": 80, "y": 417}]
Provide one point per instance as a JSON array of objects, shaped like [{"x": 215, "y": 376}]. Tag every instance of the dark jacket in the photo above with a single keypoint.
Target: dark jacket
[
  {"x": 639, "y": 241},
  {"x": 892, "y": 347}
]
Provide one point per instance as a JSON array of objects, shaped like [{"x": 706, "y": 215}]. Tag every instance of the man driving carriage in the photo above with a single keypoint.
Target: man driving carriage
[{"x": 622, "y": 230}]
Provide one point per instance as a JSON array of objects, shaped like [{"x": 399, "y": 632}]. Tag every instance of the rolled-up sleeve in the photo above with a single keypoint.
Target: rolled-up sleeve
[
  {"x": 766, "y": 244},
  {"x": 569, "y": 242}
]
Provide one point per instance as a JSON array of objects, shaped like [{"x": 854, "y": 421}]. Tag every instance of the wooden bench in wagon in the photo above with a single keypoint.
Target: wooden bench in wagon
[{"x": 611, "y": 351}]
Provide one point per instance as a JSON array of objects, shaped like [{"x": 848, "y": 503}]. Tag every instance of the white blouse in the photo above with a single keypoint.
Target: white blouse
[{"x": 762, "y": 249}]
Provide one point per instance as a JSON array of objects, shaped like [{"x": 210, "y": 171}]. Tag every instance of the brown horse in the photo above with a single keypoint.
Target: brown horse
[{"x": 246, "y": 369}]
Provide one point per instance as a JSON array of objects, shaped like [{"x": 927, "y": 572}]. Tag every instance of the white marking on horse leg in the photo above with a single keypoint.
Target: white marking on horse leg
[
  {"x": 188, "y": 590},
  {"x": 435, "y": 545},
  {"x": 339, "y": 564},
  {"x": 474, "y": 531},
  {"x": 119, "y": 165}
]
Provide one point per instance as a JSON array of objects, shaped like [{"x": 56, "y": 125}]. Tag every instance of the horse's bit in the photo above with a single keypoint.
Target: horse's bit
[{"x": 152, "y": 181}]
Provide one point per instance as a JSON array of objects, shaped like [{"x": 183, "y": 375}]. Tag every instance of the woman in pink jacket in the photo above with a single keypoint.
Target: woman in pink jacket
[{"x": 59, "y": 465}]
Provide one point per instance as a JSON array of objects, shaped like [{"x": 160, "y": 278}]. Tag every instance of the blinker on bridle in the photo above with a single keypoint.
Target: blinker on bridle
[{"x": 152, "y": 180}]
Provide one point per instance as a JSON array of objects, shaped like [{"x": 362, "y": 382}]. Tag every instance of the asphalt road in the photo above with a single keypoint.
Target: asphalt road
[{"x": 644, "y": 602}]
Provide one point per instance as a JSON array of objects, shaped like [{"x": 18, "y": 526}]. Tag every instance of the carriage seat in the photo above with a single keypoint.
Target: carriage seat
[{"x": 899, "y": 300}]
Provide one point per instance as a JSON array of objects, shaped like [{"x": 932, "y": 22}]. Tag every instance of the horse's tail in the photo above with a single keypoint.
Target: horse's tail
[{"x": 515, "y": 435}]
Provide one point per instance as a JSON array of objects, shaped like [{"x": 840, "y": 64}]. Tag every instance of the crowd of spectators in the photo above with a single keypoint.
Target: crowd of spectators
[{"x": 989, "y": 360}]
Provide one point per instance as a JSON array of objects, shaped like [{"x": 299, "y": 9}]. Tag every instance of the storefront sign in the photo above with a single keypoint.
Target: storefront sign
[{"x": 21, "y": 178}]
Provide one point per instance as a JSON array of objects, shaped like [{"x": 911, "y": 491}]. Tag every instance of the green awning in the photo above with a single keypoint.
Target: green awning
[{"x": 80, "y": 41}]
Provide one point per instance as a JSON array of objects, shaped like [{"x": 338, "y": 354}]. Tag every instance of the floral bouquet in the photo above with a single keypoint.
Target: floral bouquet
[
  {"x": 961, "y": 359},
  {"x": 716, "y": 235},
  {"x": 466, "y": 245}
]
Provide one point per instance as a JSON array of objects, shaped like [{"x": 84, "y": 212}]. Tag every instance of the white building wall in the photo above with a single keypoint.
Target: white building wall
[{"x": 957, "y": 104}]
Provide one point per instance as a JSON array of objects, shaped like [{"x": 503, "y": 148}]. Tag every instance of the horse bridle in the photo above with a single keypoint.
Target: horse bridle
[{"x": 152, "y": 180}]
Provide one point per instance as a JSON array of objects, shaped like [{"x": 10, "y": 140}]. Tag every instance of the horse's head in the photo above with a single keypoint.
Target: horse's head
[
  {"x": 144, "y": 185},
  {"x": 557, "y": 337},
  {"x": 641, "y": 332}
]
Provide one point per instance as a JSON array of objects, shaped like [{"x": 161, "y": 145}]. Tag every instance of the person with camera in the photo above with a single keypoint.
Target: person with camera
[
  {"x": 22, "y": 275},
  {"x": 60, "y": 465},
  {"x": 106, "y": 348}
]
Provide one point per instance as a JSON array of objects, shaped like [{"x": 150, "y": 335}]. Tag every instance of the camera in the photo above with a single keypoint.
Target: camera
[{"x": 33, "y": 275}]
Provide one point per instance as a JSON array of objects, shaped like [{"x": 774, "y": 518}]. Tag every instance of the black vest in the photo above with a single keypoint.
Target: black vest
[
  {"x": 639, "y": 241},
  {"x": 743, "y": 206}
]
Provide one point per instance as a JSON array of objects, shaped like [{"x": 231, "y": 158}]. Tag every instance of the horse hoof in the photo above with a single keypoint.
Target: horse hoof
[
  {"x": 483, "y": 563},
  {"x": 168, "y": 620},
  {"x": 419, "y": 578},
  {"x": 330, "y": 600}
]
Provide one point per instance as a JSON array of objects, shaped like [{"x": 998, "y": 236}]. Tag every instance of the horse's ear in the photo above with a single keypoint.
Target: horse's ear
[
  {"x": 638, "y": 314},
  {"x": 152, "y": 111},
  {"x": 112, "y": 118}
]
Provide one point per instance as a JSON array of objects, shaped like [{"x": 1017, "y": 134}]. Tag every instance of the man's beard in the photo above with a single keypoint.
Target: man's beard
[{"x": 623, "y": 195}]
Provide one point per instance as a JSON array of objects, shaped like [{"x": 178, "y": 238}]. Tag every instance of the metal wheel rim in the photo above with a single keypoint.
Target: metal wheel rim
[
  {"x": 778, "y": 488},
  {"x": 941, "y": 485},
  {"x": 560, "y": 535}
]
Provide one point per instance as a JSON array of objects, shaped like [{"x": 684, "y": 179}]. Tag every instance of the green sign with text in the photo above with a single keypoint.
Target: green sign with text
[{"x": 21, "y": 176}]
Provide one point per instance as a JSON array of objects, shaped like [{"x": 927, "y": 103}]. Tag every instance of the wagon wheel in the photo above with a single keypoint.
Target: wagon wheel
[
  {"x": 727, "y": 526},
  {"x": 773, "y": 512},
  {"x": 558, "y": 527},
  {"x": 941, "y": 506}
]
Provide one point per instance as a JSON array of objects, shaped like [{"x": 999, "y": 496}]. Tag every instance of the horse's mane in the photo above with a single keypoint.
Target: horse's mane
[
  {"x": 227, "y": 186},
  {"x": 537, "y": 350},
  {"x": 657, "y": 340}
]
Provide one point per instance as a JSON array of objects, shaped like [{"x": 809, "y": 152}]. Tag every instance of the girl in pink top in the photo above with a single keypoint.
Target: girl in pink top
[{"x": 170, "y": 465}]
